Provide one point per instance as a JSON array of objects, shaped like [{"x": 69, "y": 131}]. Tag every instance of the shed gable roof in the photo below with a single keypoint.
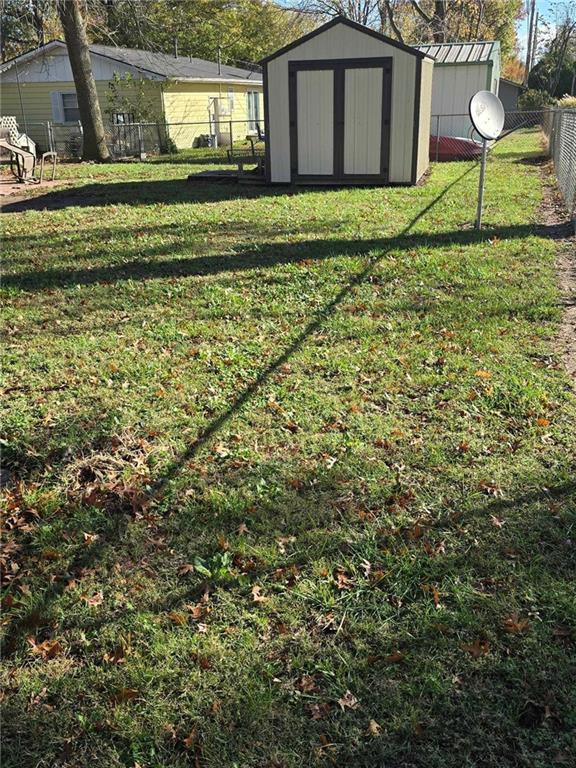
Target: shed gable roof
[{"x": 353, "y": 25}]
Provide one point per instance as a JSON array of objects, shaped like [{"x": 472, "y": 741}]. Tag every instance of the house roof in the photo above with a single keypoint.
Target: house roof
[
  {"x": 476, "y": 52},
  {"x": 348, "y": 23},
  {"x": 520, "y": 86},
  {"x": 175, "y": 67},
  {"x": 161, "y": 65}
]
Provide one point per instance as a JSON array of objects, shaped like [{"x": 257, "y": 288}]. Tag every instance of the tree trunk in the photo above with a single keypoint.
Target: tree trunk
[
  {"x": 38, "y": 22},
  {"x": 70, "y": 13},
  {"x": 439, "y": 22}
]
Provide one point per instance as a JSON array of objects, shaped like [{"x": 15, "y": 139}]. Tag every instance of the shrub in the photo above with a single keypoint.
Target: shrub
[
  {"x": 534, "y": 99},
  {"x": 567, "y": 102}
]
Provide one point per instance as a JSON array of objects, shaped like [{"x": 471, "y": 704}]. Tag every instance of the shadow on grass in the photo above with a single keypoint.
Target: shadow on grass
[
  {"x": 252, "y": 256},
  {"x": 145, "y": 192},
  {"x": 493, "y": 708},
  {"x": 437, "y": 693}
]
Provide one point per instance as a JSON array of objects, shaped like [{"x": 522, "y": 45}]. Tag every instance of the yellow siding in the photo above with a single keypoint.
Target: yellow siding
[
  {"x": 38, "y": 105},
  {"x": 178, "y": 102},
  {"x": 186, "y": 103}
]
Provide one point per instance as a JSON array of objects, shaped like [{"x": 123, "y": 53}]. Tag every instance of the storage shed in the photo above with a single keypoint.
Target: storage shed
[
  {"x": 460, "y": 70},
  {"x": 347, "y": 105}
]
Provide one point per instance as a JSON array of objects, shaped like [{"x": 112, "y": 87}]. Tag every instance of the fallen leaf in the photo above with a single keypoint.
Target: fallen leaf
[
  {"x": 396, "y": 657},
  {"x": 343, "y": 581},
  {"x": 190, "y": 740},
  {"x": 482, "y": 374},
  {"x": 307, "y": 684},
  {"x": 257, "y": 595},
  {"x": 47, "y": 649},
  {"x": 198, "y": 611},
  {"x": 242, "y": 529},
  {"x": 118, "y": 656},
  {"x": 477, "y": 648},
  {"x": 126, "y": 694},
  {"x": 374, "y": 728},
  {"x": 348, "y": 701},
  {"x": 319, "y": 710},
  {"x": 185, "y": 569},
  {"x": 94, "y": 600},
  {"x": 491, "y": 489},
  {"x": 50, "y": 554},
  {"x": 543, "y": 422},
  {"x": 178, "y": 618},
  {"x": 90, "y": 538},
  {"x": 515, "y": 625},
  {"x": 497, "y": 522}
]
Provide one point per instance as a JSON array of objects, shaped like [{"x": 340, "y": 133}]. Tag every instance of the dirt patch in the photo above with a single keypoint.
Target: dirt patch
[{"x": 556, "y": 224}]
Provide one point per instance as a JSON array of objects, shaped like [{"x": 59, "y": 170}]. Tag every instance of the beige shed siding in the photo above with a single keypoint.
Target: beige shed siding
[
  {"x": 37, "y": 102},
  {"x": 362, "y": 120},
  {"x": 316, "y": 123},
  {"x": 427, "y": 74},
  {"x": 344, "y": 42}
]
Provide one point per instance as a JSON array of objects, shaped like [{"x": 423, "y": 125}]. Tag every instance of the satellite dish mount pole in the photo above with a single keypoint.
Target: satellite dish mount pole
[{"x": 481, "y": 184}]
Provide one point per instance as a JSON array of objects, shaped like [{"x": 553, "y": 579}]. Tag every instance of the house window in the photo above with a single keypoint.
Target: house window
[
  {"x": 122, "y": 118},
  {"x": 70, "y": 110},
  {"x": 231, "y": 99},
  {"x": 253, "y": 109}
]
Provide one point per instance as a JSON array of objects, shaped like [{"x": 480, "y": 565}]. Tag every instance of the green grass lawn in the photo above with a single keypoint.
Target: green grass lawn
[{"x": 296, "y": 475}]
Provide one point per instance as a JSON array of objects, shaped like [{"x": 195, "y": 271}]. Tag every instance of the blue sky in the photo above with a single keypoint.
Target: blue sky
[{"x": 549, "y": 10}]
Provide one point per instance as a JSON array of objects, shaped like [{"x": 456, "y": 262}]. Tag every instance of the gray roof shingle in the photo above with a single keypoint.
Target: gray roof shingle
[{"x": 180, "y": 67}]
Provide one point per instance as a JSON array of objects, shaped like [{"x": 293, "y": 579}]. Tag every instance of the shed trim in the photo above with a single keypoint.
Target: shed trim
[
  {"x": 352, "y": 25},
  {"x": 416, "y": 129},
  {"x": 267, "y": 161}
]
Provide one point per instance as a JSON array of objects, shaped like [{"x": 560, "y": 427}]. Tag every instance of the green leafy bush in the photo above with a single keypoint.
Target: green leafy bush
[{"x": 534, "y": 99}]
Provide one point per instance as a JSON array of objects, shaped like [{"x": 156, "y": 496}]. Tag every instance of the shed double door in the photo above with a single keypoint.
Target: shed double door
[{"x": 340, "y": 120}]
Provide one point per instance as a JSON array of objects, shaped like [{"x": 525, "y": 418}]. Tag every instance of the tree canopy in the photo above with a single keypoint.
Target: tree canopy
[{"x": 239, "y": 31}]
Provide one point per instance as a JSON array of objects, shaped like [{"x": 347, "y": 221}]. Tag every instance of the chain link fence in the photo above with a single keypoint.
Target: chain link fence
[
  {"x": 209, "y": 139},
  {"x": 453, "y": 137},
  {"x": 559, "y": 127}
]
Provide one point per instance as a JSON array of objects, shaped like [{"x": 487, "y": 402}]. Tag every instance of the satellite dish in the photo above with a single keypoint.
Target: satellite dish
[{"x": 487, "y": 114}]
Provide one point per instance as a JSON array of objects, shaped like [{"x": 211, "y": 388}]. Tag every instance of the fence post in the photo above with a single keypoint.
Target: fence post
[
  {"x": 437, "y": 136},
  {"x": 231, "y": 135}
]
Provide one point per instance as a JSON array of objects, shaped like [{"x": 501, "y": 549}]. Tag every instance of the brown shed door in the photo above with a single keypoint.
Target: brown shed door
[{"x": 340, "y": 119}]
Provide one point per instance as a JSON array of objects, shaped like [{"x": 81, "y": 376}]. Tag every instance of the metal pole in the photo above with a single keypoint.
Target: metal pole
[
  {"x": 481, "y": 185},
  {"x": 437, "y": 136}
]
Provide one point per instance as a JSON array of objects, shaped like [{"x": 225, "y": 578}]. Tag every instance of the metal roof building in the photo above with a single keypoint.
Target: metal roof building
[
  {"x": 460, "y": 70},
  {"x": 462, "y": 53}
]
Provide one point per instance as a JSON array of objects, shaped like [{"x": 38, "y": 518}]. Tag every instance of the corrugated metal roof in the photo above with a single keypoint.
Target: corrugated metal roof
[{"x": 461, "y": 53}]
